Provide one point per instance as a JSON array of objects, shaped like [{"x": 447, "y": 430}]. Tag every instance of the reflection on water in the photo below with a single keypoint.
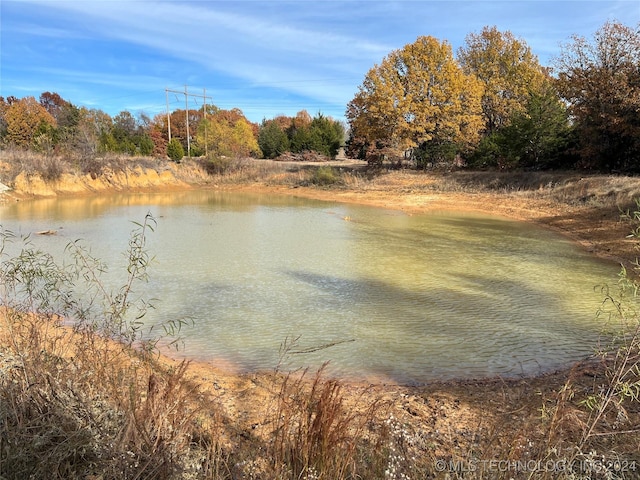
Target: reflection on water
[{"x": 418, "y": 297}]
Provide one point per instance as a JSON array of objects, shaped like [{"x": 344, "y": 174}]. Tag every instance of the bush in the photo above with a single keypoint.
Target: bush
[
  {"x": 175, "y": 151},
  {"x": 50, "y": 168},
  {"x": 216, "y": 165},
  {"x": 146, "y": 145},
  {"x": 325, "y": 175}
]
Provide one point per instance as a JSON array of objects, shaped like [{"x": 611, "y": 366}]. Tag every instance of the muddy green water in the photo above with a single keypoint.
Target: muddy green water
[{"x": 414, "y": 298}]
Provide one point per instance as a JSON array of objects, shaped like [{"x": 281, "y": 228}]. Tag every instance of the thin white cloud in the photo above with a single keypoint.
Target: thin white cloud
[
  {"x": 97, "y": 78},
  {"x": 242, "y": 45},
  {"x": 36, "y": 30}
]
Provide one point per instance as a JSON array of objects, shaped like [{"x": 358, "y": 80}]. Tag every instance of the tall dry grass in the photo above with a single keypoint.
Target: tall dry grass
[{"x": 314, "y": 434}]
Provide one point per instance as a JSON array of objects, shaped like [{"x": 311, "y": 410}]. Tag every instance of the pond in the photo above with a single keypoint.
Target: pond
[{"x": 404, "y": 298}]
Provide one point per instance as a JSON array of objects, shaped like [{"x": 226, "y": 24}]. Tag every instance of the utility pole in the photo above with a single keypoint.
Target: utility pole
[
  {"x": 204, "y": 110},
  {"x": 186, "y": 104},
  {"x": 186, "y": 109},
  {"x": 166, "y": 92}
]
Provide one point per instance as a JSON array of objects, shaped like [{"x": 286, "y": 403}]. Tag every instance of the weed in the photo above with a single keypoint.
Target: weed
[
  {"x": 314, "y": 435},
  {"x": 325, "y": 175},
  {"x": 217, "y": 164},
  {"x": 601, "y": 419}
]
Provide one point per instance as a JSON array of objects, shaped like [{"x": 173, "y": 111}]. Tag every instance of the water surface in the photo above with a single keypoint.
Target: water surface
[{"x": 413, "y": 298}]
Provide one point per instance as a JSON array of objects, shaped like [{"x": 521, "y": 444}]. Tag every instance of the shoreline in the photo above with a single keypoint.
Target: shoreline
[{"x": 611, "y": 244}]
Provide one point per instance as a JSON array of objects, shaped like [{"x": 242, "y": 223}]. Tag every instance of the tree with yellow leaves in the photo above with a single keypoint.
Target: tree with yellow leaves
[
  {"x": 509, "y": 73},
  {"x": 417, "y": 100},
  {"x": 27, "y": 122},
  {"x": 227, "y": 133}
]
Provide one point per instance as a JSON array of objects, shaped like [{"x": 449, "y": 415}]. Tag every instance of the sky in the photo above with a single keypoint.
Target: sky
[{"x": 264, "y": 57}]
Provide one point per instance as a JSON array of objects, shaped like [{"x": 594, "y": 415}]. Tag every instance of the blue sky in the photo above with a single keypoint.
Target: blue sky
[{"x": 266, "y": 58}]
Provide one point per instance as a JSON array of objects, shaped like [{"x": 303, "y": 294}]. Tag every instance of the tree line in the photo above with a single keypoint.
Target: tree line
[
  {"x": 491, "y": 105},
  {"x": 54, "y": 125},
  {"x": 494, "y": 105}
]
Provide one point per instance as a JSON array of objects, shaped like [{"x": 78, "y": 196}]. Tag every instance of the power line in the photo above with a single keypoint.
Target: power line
[{"x": 186, "y": 105}]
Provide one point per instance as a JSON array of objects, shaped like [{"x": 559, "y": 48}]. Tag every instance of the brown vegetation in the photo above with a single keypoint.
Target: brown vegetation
[{"x": 75, "y": 406}]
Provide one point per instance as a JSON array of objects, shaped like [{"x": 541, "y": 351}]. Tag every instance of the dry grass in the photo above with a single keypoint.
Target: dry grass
[
  {"x": 314, "y": 434},
  {"x": 112, "y": 417},
  {"x": 569, "y": 188},
  {"x": 51, "y": 167}
]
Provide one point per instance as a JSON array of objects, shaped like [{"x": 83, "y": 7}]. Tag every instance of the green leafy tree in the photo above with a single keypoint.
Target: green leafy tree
[
  {"x": 175, "y": 150},
  {"x": 326, "y": 135},
  {"x": 300, "y": 139},
  {"x": 535, "y": 138},
  {"x": 298, "y": 131},
  {"x": 124, "y": 130},
  {"x": 108, "y": 143},
  {"x": 540, "y": 133},
  {"x": 600, "y": 80},
  {"x": 145, "y": 144},
  {"x": 417, "y": 95},
  {"x": 273, "y": 141}
]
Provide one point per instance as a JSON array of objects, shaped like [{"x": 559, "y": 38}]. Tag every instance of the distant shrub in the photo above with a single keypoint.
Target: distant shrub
[
  {"x": 146, "y": 145},
  {"x": 216, "y": 165},
  {"x": 48, "y": 167},
  {"x": 325, "y": 175},
  {"x": 175, "y": 151}
]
